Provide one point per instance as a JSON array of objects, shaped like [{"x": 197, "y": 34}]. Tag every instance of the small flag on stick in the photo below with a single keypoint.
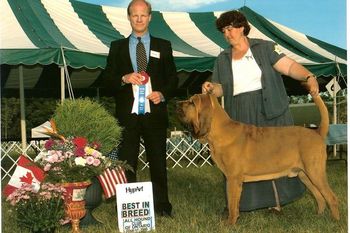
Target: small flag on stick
[
  {"x": 110, "y": 178},
  {"x": 25, "y": 172}
]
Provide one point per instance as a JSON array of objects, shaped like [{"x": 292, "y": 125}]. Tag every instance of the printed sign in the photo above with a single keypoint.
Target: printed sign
[
  {"x": 333, "y": 87},
  {"x": 135, "y": 207}
]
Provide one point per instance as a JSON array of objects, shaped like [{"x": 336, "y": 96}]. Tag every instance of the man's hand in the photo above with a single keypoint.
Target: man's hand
[
  {"x": 133, "y": 78},
  {"x": 156, "y": 97}
]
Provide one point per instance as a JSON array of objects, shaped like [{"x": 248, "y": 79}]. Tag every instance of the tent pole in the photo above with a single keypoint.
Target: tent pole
[
  {"x": 98, "y": 94},
  {"x": 334, "y": 102},
  {"x": 63, "y": 88},
  {"x": 334, "y": 113},
  {"x": 23, "y": 114}
]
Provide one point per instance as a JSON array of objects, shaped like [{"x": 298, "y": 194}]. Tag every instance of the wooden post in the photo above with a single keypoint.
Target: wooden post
[
  {"x": 334, "y": 113},
  {"x": 22, "y": 106},
  {"x": 63, "y": 88}
]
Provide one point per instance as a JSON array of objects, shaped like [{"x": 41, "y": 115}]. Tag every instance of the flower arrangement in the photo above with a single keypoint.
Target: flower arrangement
[
  {"x": 72, "y": 159},
  {"x": 39, "y": 211}
]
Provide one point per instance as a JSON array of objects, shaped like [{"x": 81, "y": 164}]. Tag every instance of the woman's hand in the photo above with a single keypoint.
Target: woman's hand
[
  {"x": 312, "y": 86},
  {"x": 207, "y": 87},
  {"x": 212, "y": 88}
]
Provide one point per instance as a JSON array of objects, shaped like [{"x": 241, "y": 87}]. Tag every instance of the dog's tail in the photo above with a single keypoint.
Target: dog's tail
[{"x": 324, "y": 124}]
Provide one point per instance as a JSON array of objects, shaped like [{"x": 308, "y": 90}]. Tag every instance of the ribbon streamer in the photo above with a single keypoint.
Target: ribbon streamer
[{"x": 141, "y": 103}]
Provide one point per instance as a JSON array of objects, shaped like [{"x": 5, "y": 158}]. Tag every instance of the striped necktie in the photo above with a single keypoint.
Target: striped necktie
[{"x": 141, "y": 58}]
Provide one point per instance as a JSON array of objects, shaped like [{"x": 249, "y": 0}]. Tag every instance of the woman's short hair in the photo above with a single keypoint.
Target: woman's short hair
[{"x": 233, "y": 18}]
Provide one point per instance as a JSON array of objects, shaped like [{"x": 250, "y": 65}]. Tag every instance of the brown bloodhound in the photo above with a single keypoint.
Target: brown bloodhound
[{"x": 247, "y": 153}]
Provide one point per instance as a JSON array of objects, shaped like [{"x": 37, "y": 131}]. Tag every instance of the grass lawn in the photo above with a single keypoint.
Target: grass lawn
[{"x": 197, "y": 196}]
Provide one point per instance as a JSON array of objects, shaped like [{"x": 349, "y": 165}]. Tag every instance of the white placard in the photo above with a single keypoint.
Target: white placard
[
  {"x": 333, "y": 87},
  {"x": 135, "y": 207}
]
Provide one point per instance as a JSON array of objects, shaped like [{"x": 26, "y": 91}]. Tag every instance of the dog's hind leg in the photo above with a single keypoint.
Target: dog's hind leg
[
  {"x": 321, "y": 203},
  {"x": 234, "y": 190},
  {"x": 319, "y": 180}
]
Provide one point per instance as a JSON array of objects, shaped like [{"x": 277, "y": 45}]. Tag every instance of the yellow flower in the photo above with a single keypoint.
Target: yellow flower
[
  {"x": 88, "y": 150},
  {"x": 93, "y": 152}
]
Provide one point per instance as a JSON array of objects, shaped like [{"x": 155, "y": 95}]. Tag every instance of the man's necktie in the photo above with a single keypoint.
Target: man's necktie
[{"x": 141, "y": 56}]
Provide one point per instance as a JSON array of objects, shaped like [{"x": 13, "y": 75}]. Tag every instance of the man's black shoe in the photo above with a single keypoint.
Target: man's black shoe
[{"x": 164, "y": 213}]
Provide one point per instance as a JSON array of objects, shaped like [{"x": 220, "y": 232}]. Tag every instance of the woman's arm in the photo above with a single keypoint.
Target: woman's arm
[{"x": 291, "y": 68}]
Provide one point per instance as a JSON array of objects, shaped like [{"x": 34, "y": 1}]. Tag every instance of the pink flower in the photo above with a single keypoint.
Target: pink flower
[
  {"x": 53, "y": 156},
  {"x": 90, "y": 160},
  {"x": 26, "y": 197},
  {"x": 96, "y": 154},
  {"x": 47, "y": 167},
  {"x": 45, "y": 195},
  {"x": 13, "y": 202},
  {"x": 57, "y": 169},
  {"x": 96, "y": 162},
  {"x": 68, "y": 154},
  {"x": 65, "y": 221}
]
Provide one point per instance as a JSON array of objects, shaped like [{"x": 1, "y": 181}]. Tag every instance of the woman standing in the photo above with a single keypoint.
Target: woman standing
[{"x": 248, "y": 75}]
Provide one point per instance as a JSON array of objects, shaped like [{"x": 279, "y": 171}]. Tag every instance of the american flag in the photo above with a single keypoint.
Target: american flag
[
  {"x": 110, "y": 178},
  {"x": 114, "y": 153}
]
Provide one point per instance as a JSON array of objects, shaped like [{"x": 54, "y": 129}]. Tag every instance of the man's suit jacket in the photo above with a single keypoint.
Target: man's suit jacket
[{"x": 161, "y": 70}]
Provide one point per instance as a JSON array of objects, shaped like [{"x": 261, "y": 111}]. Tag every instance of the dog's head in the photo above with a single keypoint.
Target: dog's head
[{"x": 196, "y": 113}]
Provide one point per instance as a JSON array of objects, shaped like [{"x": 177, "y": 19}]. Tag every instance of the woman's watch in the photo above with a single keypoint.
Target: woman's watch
[{"x": 309, "y": 76}]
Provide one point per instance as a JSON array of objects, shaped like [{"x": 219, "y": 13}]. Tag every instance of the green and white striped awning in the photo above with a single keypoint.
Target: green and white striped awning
[{"x": 41, "y": 33}]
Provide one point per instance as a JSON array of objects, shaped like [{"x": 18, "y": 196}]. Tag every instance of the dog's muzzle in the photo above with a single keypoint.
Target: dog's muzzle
[
  {"x": 180, "y": 112},
  {"x": 182, "y": 116}
]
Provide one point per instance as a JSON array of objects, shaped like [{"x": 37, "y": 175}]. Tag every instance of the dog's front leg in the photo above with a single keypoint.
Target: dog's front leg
[{"x": 234, "y": 190}]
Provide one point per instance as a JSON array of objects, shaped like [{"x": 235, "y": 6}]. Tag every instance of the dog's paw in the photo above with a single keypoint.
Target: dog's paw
[
  {"x": 275, "y": 210},
  {"x": 232, "y": 219}
]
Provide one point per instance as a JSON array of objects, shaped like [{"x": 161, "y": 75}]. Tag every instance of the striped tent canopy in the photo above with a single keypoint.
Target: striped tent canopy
[{"x": 44, "y": 35}]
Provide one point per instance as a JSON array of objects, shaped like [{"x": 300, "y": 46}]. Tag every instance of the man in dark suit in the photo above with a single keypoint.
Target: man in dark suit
[{"x": 124, "y": 78}]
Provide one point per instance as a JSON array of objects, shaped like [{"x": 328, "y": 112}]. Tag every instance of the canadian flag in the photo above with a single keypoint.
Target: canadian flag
[
  {"x": 25, "y": 172},
  {"x": 110, "y": 178}
]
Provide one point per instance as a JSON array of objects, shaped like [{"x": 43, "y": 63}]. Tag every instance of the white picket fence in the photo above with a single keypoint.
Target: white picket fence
[{"x": 182, "y": 151}]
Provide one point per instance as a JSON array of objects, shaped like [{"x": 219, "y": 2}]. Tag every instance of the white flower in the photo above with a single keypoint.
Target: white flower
[{"x": 80, "y": 161}]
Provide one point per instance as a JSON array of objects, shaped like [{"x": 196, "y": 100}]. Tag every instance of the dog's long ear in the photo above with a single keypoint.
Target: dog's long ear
[
  {"x": 202, "y": 120},
  {"x": 195, "y": 123},
  {"x": 212, "y": 99}
]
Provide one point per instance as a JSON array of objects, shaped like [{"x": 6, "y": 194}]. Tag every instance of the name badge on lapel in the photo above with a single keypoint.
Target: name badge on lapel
[{"x": 155, "y": 54}]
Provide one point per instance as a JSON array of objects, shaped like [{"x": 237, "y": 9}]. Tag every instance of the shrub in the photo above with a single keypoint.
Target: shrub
[{"x": 86, "y": 118}]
